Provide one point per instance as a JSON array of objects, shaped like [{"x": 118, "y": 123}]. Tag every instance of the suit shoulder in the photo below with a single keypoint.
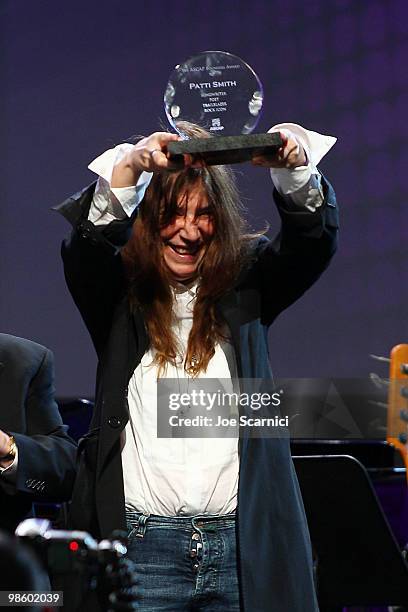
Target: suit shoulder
[
  {"x": 255, "y": 246},
  {"x": 21, "y": 350},
  {"x": 252, "y": 248}
]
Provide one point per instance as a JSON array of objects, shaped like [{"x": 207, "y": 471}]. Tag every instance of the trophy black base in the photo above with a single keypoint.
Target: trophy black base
[{"x": 223, "y": 150}]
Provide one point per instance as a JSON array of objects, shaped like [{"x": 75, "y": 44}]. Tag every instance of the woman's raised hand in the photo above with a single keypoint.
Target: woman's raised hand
[{"x": 149, "y": 155}]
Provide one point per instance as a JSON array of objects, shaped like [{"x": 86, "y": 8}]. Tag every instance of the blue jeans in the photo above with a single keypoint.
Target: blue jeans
[{"x": 184, "y": 563}]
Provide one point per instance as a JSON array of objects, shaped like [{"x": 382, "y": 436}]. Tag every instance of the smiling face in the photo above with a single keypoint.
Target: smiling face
[{"x": 186, "y": 236}]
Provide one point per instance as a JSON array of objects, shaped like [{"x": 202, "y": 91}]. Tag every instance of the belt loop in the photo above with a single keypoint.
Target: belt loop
[{"x": 141, "y": 524}]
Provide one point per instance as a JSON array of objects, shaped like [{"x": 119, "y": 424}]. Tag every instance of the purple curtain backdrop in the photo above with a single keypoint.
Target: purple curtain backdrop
[{"x": 78, "y": 77}]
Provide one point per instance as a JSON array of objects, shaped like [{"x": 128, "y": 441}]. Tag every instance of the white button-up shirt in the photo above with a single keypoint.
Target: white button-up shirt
[{"x": 176, "y": 476}]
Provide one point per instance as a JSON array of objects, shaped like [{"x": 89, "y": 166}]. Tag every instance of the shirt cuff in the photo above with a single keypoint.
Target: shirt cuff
[
  {"x": 114, "y": 203},
  {"x": 9, "y": 474},
  {"x": 303, "y": 183}
]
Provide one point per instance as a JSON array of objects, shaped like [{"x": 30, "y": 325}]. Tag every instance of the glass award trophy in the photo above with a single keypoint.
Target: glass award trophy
[{"x": 221, "y": 93}]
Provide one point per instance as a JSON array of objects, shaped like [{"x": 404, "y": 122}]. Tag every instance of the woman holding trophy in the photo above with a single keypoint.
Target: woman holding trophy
[{"x": 171, "y": 285}]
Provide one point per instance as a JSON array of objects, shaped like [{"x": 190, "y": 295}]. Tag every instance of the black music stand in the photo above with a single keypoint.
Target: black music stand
[
  {"x": 358, "y": 562},
  {"x": 76, "y": 412}
]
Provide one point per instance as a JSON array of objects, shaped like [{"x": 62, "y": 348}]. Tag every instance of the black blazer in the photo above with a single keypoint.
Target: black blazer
[
  {"x": 46, "y": 454},
  {"x": 274, "y": 553}
]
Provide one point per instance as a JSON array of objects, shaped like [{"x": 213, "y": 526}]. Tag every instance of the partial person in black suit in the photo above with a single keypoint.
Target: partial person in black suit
[{"x": 37, "y": 457}]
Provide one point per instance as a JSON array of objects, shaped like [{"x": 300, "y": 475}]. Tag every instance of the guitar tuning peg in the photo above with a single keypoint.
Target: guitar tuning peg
[
  {"x": 380, "y": 358},
  {"x": 382, "y": 405},
  {"x": 403, "y": 438},
  {"x": 404, "y": 368},
  {"x": 404, "y": 415},
  {"x": 404, "y": 392},
  {"x": 378, "y": 381}
]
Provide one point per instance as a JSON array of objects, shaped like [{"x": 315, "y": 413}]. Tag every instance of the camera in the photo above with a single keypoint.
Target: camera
[{"x": 83, "y": 568}]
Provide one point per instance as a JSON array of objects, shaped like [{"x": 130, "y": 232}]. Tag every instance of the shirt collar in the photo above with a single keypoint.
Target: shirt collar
[{"x": 180, "y": 288}]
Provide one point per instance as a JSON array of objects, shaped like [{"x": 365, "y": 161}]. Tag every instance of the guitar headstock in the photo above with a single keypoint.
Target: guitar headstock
[{"x": 397, "y": 420}]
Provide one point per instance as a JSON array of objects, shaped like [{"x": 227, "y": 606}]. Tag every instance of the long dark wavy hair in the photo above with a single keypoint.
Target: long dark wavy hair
[{"x": 149, "y": 281}]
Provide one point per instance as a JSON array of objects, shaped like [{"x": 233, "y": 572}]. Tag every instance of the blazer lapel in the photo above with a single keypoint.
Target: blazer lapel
[
  {"x": 228, "y": 309},
  {"x": 136, "y": 350},
  {"x": 128, "y": 344}
]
